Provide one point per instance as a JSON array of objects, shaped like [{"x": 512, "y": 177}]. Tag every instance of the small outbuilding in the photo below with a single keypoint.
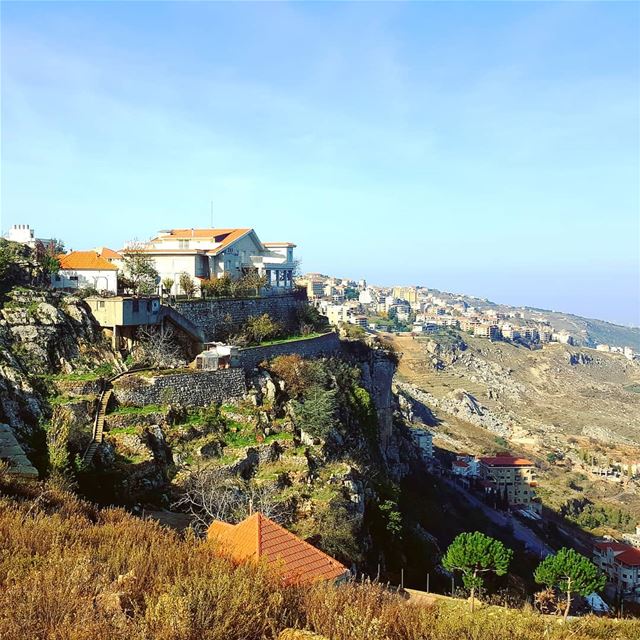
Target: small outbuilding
[{"x": 217, "y": 356}]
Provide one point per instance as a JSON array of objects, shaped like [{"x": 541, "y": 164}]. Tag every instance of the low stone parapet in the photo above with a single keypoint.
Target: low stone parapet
[{"x": 186, "y": 388}]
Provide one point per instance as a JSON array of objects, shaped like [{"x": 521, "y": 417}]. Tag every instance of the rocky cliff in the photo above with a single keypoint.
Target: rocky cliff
[{"x": 42, "y": 335}]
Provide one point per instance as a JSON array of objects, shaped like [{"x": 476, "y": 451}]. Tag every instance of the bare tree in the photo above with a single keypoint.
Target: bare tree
[
  {"x": 214, "y": 493},
  {"x": 158, "y": 347},
  {"x": 139, "y": 269}
]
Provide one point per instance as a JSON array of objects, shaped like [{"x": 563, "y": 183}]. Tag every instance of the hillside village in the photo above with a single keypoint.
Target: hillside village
[{"x": 200, "y": 379}]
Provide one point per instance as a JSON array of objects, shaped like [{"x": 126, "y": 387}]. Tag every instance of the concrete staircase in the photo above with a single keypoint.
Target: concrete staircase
[
  {"x": 98, "y": 425},
  {"x": 184, "y": 324}
]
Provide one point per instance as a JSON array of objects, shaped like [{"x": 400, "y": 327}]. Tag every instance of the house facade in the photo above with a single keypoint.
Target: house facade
[
  {"x": 513, "y": 477},
  {"x": 621, "y": 563},
  {"x": 213, "y": 253},
  {"x": 81, "y": 269}
]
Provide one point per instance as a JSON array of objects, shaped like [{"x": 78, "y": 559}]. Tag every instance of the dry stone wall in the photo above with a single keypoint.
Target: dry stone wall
[
  {"x": 189, "y": 389},
  {"x": 218, "y": 318},
  {"x": 324, "y": 345}
]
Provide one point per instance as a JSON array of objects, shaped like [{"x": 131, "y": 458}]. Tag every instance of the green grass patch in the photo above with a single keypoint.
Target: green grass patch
[
  {"x": 139, "y": 411},
  {"x": 65, "y": 399},
  {"x": 124, "y": 430},
  {"x": 634, "y": 388},
  {"x": 296, "y": 338}
]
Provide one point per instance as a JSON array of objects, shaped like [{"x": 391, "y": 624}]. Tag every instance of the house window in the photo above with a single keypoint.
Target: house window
[
  {"x": 75, "y": 278},
  {"x": 100, "y": 304},
  {"x": 183, "y": 244},
  {"x": 57, "y": 278},
  {"x": 136, "y": 306}
]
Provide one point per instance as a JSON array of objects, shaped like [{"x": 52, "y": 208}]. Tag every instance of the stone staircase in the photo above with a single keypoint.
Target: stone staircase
[{"x": 98, "y": 425}]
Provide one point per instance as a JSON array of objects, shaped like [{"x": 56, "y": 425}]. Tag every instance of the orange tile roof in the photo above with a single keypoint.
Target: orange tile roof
[
  {"x": 81, "y": 260},
  {"x": 109, "y": 254},
  {"x": 259, "y": 537},
  {"x": 224, "y": 236},
  {"x": 506, "y": 461}
]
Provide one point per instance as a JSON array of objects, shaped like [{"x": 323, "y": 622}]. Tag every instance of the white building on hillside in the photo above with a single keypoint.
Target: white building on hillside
[
  {"x": 24, "y": 234},
  {"x": 213, "y": 253},
  {"x": 82, "y": 269}
]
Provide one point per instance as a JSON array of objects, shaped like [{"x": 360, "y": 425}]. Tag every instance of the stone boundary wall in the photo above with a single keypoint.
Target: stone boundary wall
[
  {"x": 189, "y": 389},
  {"x": 219, "y": 317},
  {"x": 324, "y": 345}
]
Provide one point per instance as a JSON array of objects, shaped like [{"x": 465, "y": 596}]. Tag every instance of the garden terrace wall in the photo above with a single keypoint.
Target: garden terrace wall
[
  {"x": 324, "y": 345},
  {"x": 189, "y": 389},
  {"x": 218, "y": 318}
]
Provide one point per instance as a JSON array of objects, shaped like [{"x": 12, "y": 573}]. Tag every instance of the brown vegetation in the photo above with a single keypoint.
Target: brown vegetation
[{"x": 71, "y": 571}]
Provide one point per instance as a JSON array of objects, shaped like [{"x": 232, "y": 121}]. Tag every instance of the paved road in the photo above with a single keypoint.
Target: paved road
[{"x": 520, "y": 531}]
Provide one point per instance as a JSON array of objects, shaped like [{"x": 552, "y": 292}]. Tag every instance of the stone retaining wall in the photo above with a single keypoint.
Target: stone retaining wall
[
  {"x": 189, "y": 389},
  {"x": 219, "y": 318},
  {"x": 324, "y": 345}
]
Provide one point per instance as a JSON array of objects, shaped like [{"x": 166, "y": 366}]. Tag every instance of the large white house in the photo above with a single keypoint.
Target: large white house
[
  {"x": 212, "y": 253},
  {"x": 80, "y": 269}
]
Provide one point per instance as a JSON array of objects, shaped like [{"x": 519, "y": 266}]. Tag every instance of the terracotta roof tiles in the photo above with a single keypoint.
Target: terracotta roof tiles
[
  {"x": 506, "y": 461},
  {"x": 259, "y": 537},
  {"x": 85, "y": 260}
]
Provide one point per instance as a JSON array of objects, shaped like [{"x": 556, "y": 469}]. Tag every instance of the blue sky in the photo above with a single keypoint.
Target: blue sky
[{"x": 484, "y": 148}]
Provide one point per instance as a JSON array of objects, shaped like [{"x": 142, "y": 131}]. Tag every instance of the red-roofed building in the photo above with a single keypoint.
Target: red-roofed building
[
  {"x": 512, "y": 477},
  {"x": 213, "y": 253},
  {"x": 257, "y": 537},
  {"x": 82, "y": 269},
  {"x": 621, "y": 563},
  {"x": 465, "y": 466}
]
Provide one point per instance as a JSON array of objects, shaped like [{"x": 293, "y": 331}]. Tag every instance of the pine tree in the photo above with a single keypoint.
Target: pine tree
[
  {"x": 569, "y": 572},
  {"x": 474, "y": 554}
]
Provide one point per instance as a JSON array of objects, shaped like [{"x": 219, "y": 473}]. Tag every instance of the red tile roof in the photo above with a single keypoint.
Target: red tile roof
[
  {"x": 630, "y": 557},
  {"x": 259, "y": 537},
  {"x": 85, "y": 260},
  {"x": 506, "y": 461},
  {"x": 624, "y": 553},
  {"x": 460, "y": 463}
]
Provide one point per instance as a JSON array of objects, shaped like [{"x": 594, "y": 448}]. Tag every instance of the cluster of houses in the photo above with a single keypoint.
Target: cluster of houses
[
  {"x": 202, "y": 254},
  {"x": 347, "y": 301}
]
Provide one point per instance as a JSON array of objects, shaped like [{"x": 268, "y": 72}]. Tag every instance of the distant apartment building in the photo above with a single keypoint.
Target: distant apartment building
[
  {"x": 512, "y": 477},
  {"x": 336, "y": 313},
  {"x": 509, "y": 332},
  {"x": 424, "y": 441},
  {"x": 490, "y": 331},
  {"x": 315, "y": 288},
  {"x": 358, "y": 320},
  {"x": 563, "y": 338},
  {"x": 368, "y": 296},
  {"x": 409, "y": 294},
  {"x": 621, "y": 563}
]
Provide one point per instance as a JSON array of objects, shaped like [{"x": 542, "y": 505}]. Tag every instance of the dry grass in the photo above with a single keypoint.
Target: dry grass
[{"x": 69, "y": 571}]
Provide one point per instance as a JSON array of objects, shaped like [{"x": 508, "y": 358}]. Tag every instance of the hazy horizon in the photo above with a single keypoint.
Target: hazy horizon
[{"x": 490, "y": 149}]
